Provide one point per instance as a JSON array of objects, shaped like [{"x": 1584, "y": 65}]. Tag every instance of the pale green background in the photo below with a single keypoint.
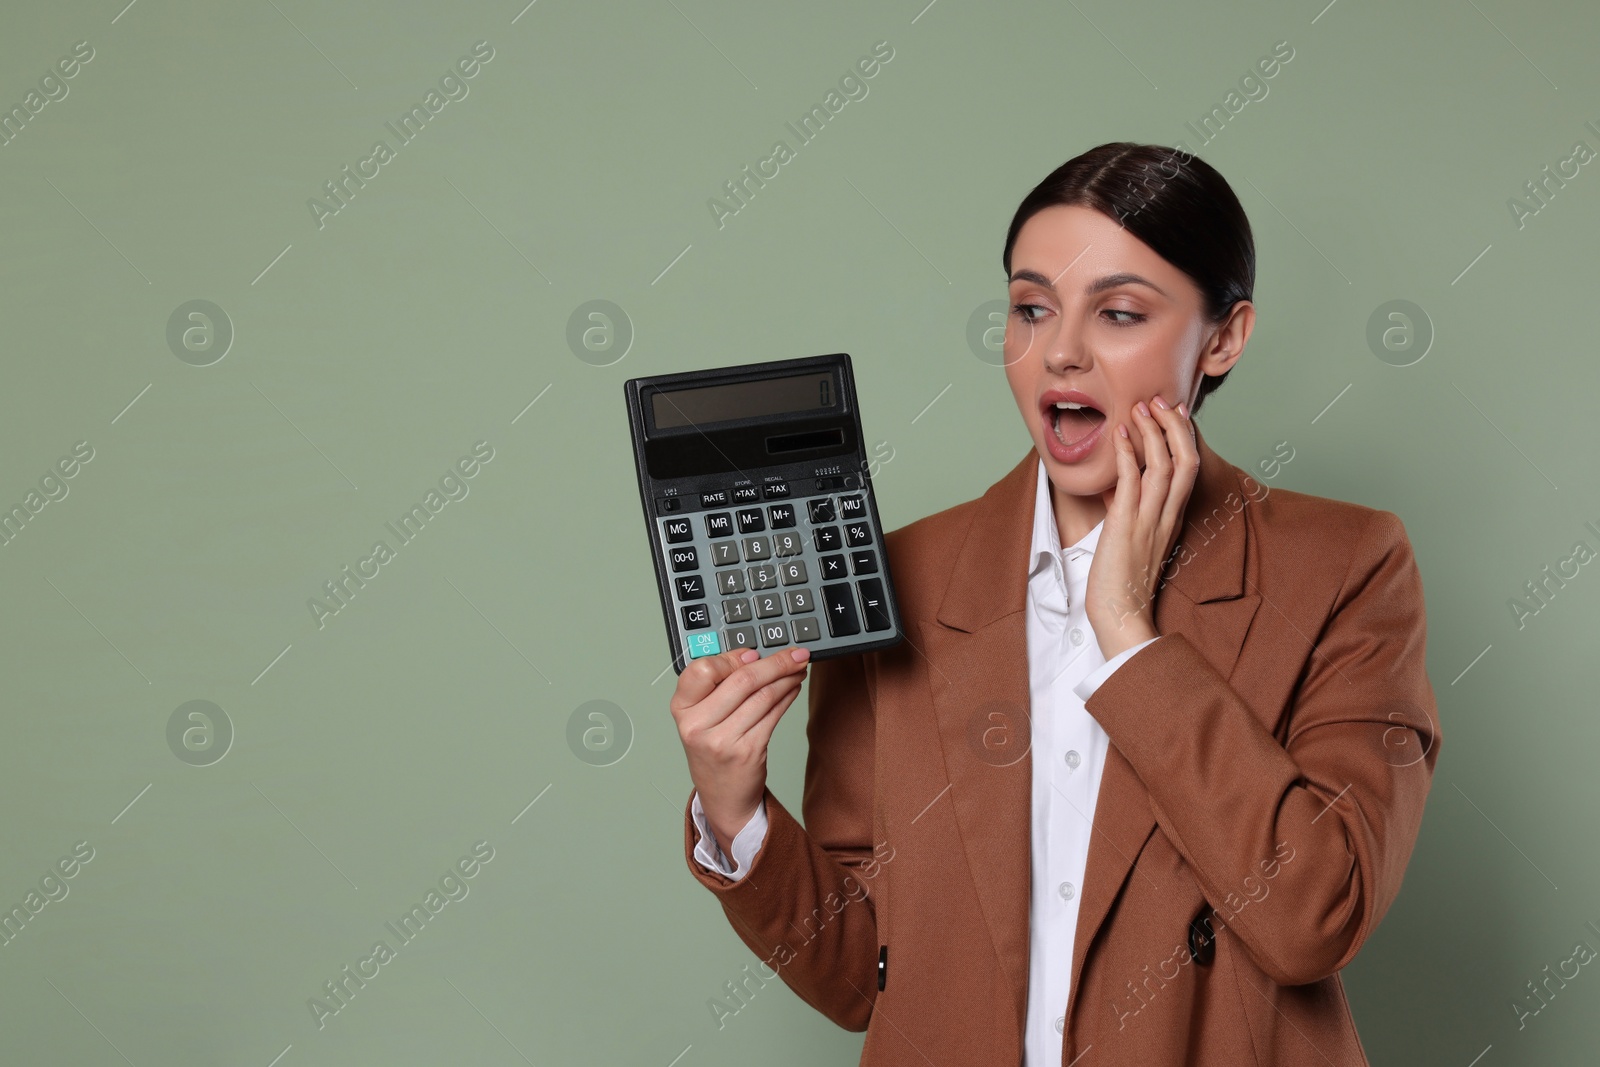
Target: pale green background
[{"x": 429, "y": 313}]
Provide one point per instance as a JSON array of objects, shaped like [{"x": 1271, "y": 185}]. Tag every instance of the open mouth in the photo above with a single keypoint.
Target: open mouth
[
  {"x": 1073, "y": 416},
  {"x": 1072, "y": 426}
]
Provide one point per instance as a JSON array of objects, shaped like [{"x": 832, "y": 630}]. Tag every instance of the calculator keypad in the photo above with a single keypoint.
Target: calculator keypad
[{"x": 770, "y": 573}]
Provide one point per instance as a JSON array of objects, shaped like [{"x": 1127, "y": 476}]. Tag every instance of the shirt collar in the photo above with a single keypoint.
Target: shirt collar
[{"x": 1046, "y": 536}]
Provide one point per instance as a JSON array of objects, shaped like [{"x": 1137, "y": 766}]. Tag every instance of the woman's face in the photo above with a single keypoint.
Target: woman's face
[{"x": 1096, "y": 312}]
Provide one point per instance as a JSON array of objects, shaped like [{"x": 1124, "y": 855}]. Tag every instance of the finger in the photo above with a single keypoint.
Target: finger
[
  {"x": 705, "y": 674},
  {"x": 1185, "y": 464},
  {"x": 1157, "y": 467},
  {"x": 755, "y": 708},
  {"x": 1174, "y": 425},
  {"x": 737, "y": 687},
  {"x": 1125, "y": 500},
  {"x": 761, "y": 732}
]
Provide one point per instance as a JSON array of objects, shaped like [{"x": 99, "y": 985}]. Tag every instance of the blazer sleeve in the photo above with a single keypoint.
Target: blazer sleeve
[
  {"x": 1330, "y": 815},
  {"x": 804, "y": 906}
]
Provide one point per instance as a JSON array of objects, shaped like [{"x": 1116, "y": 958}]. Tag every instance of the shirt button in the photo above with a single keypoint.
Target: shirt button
[
  {"x": 1076, "y": 635},
  {"x": 1061, "y": 1023},
  {"x": 1073, "y": 759},
  {"x": 1066, "y": 890}
]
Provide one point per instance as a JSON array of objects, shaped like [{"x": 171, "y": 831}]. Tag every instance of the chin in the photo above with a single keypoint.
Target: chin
[
  {"x": 1093, "y": 492},
  {"x": 1077, "y": 481}
]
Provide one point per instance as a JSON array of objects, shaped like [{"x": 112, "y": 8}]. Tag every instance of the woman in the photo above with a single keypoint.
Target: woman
[{"x": 1148, "y": 768}]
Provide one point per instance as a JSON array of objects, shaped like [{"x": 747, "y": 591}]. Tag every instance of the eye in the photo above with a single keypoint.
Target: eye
[
  {"x": 1023, "y": 309},
  {"x": 1134, "y": 316}
]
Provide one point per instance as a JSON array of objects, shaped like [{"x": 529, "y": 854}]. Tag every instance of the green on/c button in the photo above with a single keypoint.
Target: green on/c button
[{"x": 704, "y": 644}]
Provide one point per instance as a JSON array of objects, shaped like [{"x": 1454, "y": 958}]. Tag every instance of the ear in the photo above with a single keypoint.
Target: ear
[{"x": 1227, "y": 343}]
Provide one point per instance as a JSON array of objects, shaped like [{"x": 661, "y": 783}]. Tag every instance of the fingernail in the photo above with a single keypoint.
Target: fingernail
[
  {"x": 749, "y": 655},
  {"x": 1161, "y": 402},
  {"x": 801, "y": 654},
  {"x": 1183, "y": 409},
  {"x": 1142, "y": 409}
]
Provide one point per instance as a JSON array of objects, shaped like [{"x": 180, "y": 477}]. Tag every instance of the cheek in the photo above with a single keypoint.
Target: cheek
[
  {"x": 1023, "y": 340},
  {"x": 1020, "y": 379},
  {"x": 1123, "y": 414},
  {"x": 1153, "y": 377},
  {"x": 1126, "y": 419}
]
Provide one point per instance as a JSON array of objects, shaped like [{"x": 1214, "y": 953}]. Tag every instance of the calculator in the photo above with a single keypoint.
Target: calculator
[{"x": 758, "y": 503}]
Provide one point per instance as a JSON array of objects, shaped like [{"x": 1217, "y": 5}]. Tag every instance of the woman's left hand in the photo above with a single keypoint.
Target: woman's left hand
[{"x": 1141, "y": 527}]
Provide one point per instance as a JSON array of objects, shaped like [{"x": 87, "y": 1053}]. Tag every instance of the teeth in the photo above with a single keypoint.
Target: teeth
[{"x": 1067, "y": 405}]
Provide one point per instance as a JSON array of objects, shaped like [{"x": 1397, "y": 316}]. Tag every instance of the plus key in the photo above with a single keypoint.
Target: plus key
[{"x": 840, "y": 607}]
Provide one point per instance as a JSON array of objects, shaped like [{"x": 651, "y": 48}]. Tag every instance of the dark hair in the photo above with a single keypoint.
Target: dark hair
[{"x": 1171, "y": 200}]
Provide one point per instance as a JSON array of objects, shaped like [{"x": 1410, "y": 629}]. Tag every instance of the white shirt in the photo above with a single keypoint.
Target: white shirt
[{"x": 1068, "y": 752}]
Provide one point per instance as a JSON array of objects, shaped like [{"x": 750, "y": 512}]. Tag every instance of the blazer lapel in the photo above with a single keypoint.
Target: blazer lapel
[{"x": 978, "y": 671}]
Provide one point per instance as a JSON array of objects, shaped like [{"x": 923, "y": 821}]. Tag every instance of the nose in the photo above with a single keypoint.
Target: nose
[{"x": 1066, "y": 351}]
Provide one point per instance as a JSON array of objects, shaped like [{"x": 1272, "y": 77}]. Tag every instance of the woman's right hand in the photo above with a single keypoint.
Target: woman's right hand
[{"x": 726, "y": 709}]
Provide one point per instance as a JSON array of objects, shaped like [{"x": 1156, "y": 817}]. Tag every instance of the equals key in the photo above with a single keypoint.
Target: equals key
[{"x": 874, "y": 606}]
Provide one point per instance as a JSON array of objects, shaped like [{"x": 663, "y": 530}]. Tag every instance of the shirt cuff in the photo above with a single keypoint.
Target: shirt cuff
[
  {"x": 746, "y": 843},
  {"x": 1085, "y": 689}
]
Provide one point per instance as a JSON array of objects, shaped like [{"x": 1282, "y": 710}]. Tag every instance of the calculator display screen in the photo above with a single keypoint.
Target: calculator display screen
[{"x": 742, "y": 400}]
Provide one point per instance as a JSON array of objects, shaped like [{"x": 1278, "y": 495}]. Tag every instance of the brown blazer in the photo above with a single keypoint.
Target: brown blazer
[{"x": 1270, "y": 756}]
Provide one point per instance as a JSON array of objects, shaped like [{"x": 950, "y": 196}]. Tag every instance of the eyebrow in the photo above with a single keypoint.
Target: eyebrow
[{"x": 1100, "y": 285}]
